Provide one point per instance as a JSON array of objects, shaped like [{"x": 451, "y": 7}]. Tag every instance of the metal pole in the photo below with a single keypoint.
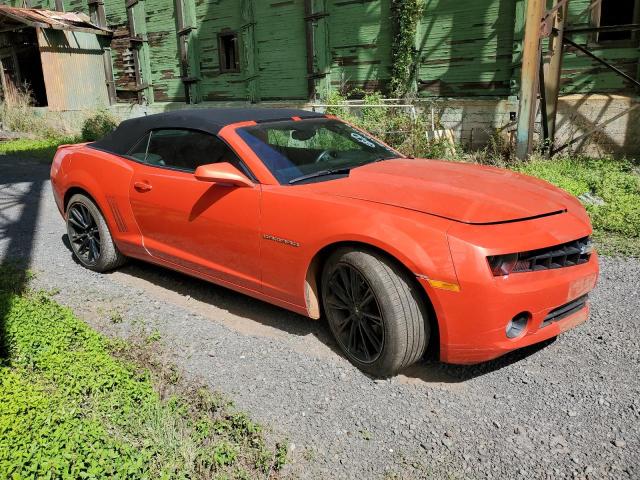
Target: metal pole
[
  {"x": 552, "y": 77},
  {"x": 543, "y": 107},
  {"x": 529, "y": 78}
]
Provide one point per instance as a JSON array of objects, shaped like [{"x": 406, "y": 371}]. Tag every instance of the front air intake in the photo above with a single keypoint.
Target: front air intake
[
  {"x": 564, "y": 255},
  {"x": 565, "y": 310}
]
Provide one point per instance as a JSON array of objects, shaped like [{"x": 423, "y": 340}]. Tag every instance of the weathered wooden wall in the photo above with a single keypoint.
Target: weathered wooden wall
[
  {"x": 465, "y": 48},
  {"x": 360, "y": 36},
  {"x": 582, "y": 74},
  {"x": 212, "y": 18}
]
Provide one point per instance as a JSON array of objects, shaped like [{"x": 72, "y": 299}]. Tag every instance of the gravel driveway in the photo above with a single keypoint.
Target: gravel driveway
[{"x": 567, "y": 409}]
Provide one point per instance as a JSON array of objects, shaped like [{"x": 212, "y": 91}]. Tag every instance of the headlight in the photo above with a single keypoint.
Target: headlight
[{"x": 502, "y": 264}]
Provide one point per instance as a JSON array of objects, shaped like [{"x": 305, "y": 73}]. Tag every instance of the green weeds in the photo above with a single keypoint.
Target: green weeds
[
  {"x": 40, "y": 149},
  {"x": 18, "y": 115},
  {"x": 610, "y": 190},
  {"x": 98, "y": 125},
  {"x": 76, "y": 405}
]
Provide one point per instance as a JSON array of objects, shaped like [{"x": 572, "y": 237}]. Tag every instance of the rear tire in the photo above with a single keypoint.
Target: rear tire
[
  {"x": 367, "y": 296},
  {"x": 90, "y": 237}
]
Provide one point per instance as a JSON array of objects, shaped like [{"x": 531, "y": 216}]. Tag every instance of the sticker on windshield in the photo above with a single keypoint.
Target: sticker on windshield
[{"x": 362, "y": 139}]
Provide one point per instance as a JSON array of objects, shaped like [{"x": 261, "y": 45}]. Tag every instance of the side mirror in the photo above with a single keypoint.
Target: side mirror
[{"x": 223, "y": 173}]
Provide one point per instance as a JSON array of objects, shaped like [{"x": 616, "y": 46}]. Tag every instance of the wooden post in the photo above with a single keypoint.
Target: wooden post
[
  {"x": 141, "y": 58},
  {"x": 554, "y": 70},
  {"x": 250, "y": 51},
  {"x": 98, "y": 17},
  {"x": 318, "y": 50},
  {"x": 529, "y": 78},
  {"x": 322, "y": 49},
  {"x": 188, "y": 49},
  {"x": 308, "y": 30},
  {"x": 516, "y": 56}
]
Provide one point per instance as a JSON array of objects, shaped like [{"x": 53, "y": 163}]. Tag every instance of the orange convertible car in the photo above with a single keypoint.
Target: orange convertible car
[{"x": 309, "y": 213}]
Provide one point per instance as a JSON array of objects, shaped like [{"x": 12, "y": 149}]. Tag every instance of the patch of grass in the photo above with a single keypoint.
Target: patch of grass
[
  {"x": 616, "y": 220},
  {"x": 154, "y": 336},
  {"x": 41, "y": 149},
  {"x": 616, "y": 245},
  {"x": 115, "y": 316},
  {"x": 76, "y": 405}
]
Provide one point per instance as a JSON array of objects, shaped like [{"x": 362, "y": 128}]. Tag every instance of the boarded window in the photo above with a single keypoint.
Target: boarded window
[
  {"x": 613, "y": 13},
  {"x": 228, "y": 50}
]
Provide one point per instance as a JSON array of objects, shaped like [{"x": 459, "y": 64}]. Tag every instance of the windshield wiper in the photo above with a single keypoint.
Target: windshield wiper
[
  {"x": 320, "y": 173},
  {"x": 383, "y": 159}
]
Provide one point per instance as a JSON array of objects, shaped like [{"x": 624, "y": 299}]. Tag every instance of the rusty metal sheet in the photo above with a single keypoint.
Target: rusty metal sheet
[
  {"x": 34, "y": 17},
  {"x": 73, "y": 69}
]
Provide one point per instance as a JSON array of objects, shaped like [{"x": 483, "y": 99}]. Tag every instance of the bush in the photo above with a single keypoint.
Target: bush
[
  {"x": 17, "y": 114},
  {"x": 98, "y": 125},
  {"x": 612, "y": 181},
  {"x": 394, "y": 126}
]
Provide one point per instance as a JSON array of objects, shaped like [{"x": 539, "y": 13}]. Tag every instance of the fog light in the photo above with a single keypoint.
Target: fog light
[{"x": 518, "y": 325}]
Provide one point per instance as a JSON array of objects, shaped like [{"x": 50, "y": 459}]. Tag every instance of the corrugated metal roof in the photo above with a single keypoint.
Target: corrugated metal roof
[{"x": 34, "y": 17}]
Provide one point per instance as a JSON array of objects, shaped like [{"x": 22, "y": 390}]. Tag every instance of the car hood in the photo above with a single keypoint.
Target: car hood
[{"x": 458, "y": 191}]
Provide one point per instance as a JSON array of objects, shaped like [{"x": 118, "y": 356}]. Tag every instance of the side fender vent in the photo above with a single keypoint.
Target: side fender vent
[{"x": 115, "y": 211}]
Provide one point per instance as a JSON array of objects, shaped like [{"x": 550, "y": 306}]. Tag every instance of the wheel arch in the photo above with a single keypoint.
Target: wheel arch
[
  {"x": 71, "y": 191},
  {"x": 312, "y": 283},
  {"x": 76, "y": 189}
]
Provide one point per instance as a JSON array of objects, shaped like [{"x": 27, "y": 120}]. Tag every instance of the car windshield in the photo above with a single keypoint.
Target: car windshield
[{"x": 313, "y": 149}]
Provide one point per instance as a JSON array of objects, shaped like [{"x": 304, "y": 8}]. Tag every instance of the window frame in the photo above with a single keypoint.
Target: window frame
[
  {"x": 596, "y": 18},
  {"x": 245, "y": 170},
  {"x": 221, "y": 56}
]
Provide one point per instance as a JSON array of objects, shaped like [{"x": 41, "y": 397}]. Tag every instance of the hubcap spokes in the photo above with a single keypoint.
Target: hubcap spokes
[
  {"x": 354, "y": 314},
  {"x": 84, "y": 234}
]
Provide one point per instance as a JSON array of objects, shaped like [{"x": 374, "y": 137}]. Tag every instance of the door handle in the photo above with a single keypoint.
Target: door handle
[{"x": 142, "y": 186}]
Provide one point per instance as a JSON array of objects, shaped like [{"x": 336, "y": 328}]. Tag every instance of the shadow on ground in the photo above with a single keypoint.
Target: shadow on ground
[{"x": 21, "y": 185}]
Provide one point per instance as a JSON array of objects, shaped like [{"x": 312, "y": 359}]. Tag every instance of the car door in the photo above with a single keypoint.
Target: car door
[{"x": 206, "y": 227}]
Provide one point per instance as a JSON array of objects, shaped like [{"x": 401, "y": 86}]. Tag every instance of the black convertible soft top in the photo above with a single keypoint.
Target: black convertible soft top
[{"x": 209, "y": 120}]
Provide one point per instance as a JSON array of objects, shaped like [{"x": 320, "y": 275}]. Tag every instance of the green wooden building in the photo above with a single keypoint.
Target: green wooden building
[
  {"x": 295, "y": 51},
  {"x": 265, "y": 50}
]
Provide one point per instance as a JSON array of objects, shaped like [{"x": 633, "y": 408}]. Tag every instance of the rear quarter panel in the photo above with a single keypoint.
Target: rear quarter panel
[{"x": 106, "y": 178}]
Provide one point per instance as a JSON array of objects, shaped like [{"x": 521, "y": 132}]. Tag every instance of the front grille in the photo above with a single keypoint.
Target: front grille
[
  {"x": 567, "y": 254},
  {"x": 565, "y": 310}
]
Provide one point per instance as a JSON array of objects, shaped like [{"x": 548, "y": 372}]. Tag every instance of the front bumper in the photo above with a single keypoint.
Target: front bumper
[{"x": 473, "y": 321}]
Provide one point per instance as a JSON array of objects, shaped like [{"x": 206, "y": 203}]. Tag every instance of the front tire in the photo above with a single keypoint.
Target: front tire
[
  {"x": 89, "y": 236},
  {"x": 374, "y": 311}
]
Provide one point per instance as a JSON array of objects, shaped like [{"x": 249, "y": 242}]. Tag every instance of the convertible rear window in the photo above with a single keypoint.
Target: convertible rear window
[
  {"x": 183, "y": 149},
  {"x": 295, "y": 149}
]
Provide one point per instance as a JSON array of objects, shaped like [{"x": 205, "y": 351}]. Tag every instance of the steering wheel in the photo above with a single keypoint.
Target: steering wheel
[{"x": 324, "y": 156}]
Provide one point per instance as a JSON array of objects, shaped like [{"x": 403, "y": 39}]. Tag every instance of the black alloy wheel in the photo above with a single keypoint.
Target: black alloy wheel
[
  {"x": 84, "y": 234},
  {"x": 354, "y": 314}
]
